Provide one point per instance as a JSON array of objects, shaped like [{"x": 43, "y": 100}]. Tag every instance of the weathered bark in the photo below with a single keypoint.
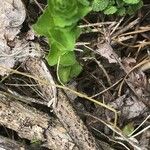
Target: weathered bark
[
  {"x": 32, "y": 124},
  {"x": 64, "y": 110}
]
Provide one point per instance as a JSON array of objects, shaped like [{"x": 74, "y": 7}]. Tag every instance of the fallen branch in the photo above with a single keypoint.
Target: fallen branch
[
  {"x": 32, "y": 124},
  {"x": 64, "y": 110}
]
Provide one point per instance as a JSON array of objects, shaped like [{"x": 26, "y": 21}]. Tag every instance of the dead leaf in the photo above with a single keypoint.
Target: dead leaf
[{"x": 106, "y": 51}]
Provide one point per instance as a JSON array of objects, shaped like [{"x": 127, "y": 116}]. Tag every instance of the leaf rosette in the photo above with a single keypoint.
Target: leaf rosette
[
  {"x": 67, "y": 12},
  {"x": 59, "y": 24}
]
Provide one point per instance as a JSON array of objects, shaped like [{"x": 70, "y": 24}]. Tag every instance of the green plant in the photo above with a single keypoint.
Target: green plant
[
  {"x": 59, "y": 24},
  {"x": 119, "y": 7},
  {"x": 128, "y": 129}
]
